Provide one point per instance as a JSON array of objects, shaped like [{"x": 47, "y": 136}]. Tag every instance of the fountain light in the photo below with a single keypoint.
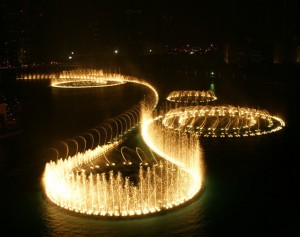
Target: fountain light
[
  {"x": 95, "y": 180},
  {"x": 159, "y": 186},
  {"x": 223, "y": 121},
  {"x": 191, "y": 96}
]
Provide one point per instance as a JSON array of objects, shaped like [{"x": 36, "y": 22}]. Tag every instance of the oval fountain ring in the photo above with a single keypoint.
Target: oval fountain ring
[
  {"x": 86, "y": 78},
  {"x": 86, "y": 83}
]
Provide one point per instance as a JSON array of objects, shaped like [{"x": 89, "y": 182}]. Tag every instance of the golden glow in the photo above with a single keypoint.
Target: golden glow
[
  {"x": 92, "y": 182},
  {"x": 191, "y": 97},
  {"x": 178, "y": 148},
  {"x": 36, "y": 76},
  {"x": 161, "y": 185},
  {"x": 87, "y": 78},
  {"x": 222, "y": 121}
]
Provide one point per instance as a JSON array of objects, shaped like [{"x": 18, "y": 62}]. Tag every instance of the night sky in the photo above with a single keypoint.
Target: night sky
[
  {"x": 193, "y": 20},
  {"x": 57, "y": 27}
]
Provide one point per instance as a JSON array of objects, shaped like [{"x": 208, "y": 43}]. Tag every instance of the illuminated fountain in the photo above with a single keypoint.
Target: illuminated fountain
[
  {"x": 93, "y": 183},
  {"x": 86, "y": 78},
  {"x": 191, "y": 97},
  {"x": 92, "y": 180},
  {"x": 78, "y": 78},
  {"x": 222, "y": 121},
  {"x": 108, "y": 192},
  {"x": 96, "y": 175},
  {"x": 36, "y": 76},
  {"x": 81, "y": 78}
]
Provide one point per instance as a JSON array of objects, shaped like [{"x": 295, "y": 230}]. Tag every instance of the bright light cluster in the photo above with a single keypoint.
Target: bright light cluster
[
  {"x": 36, "y": 76},
  {"x": 86, "y": 78},
  {"x": 191, "y": 97},
  {"x": 222, "y": 121},
  {"x": 182, "y": 149},
  {"x": 159, "y": 187},
  {"x": 168, "y": 181}
]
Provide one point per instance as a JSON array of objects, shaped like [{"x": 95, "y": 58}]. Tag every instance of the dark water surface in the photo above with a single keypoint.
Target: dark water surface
[{"x": 250, "y": 187}]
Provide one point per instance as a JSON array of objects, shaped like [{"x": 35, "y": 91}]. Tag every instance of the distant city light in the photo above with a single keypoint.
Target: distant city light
[
  {"x": 72, "y": 52},
  {"x": 116, "y": 51},
  {"x": 150, "y": 50},
  {"x": 212, "y": 73},
  {"x": 193, "y": 49},
  {"x": 70, "y": 57}
]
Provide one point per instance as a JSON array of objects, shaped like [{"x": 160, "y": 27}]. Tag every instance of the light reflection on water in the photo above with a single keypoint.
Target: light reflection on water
[
  {"x": 184, "y": 220},
  {"x": 59, "y": 222}
]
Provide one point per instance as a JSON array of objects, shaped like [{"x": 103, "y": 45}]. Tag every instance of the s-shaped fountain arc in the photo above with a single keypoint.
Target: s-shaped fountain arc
[{"x": 77, "y": 184}]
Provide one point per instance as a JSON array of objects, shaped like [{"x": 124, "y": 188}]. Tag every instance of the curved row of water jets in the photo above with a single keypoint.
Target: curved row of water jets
[
  {"x": 191, "y": 96},
  {"x": 111, "y": 130},
  {"x": 168, "y": 180}
]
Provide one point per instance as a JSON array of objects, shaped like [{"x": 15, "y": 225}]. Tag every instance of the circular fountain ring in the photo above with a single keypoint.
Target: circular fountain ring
[
  {"x": 86, "y": 78},
  {"x": 191, "y": 96},
  {"x": 86, "y": 83},
  {"x": 222, "y": 121}
]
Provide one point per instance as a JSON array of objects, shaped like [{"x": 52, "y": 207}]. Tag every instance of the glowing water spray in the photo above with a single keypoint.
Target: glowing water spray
[
  {"x": 78, "y": 184},
  {"x": 222, "y": 121},
  {"x": 96, "y": 181},
  {"x": 191, "y": 97}
]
